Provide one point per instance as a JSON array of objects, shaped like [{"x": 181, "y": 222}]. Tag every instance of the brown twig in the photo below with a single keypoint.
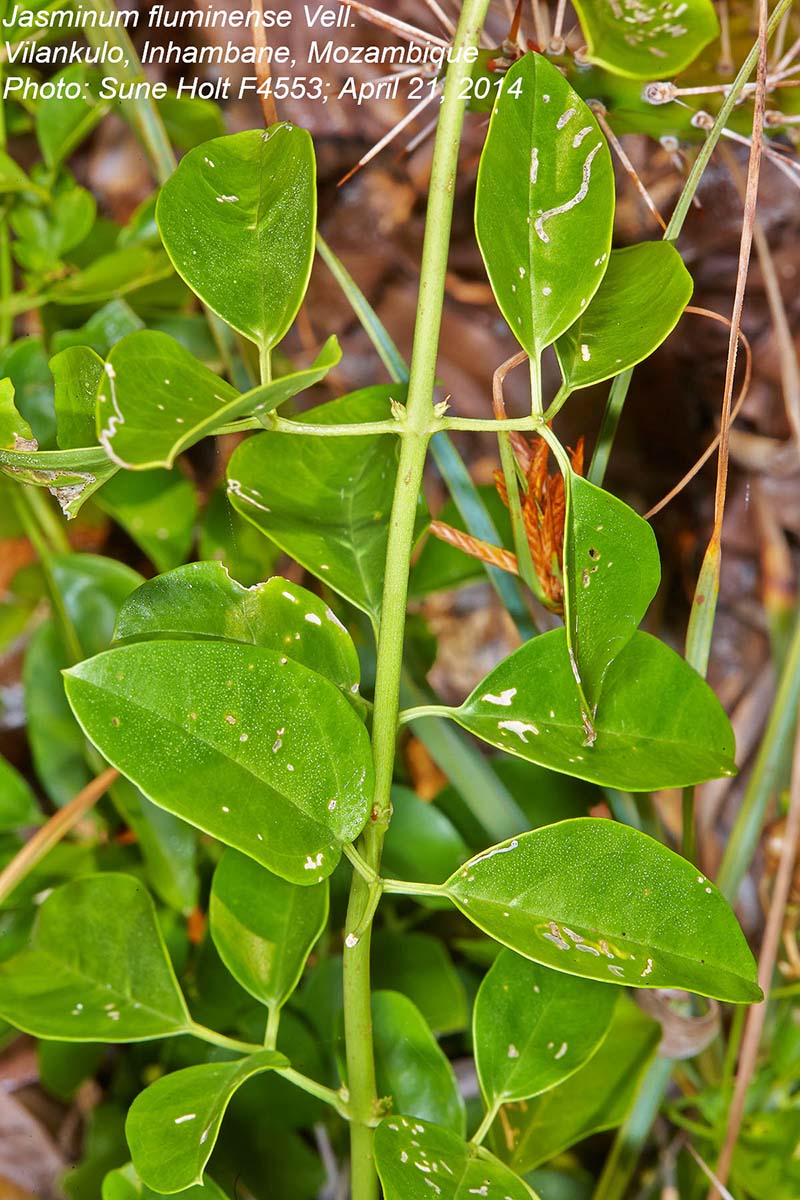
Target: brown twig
[
  {"x": 599, "y": 110},
  {"x": 263, "y": 73},
  {"x": 53, "y": 831},
  {"x": 766, "y": 966},
  {"x": 740, "y": 399}
]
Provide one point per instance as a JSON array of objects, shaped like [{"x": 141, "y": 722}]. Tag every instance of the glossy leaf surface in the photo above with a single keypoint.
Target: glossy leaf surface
[
  {"x": 242, "y": 742},
  {"x": 613, "y": 571},
  {"x": 96, "y": 968},
  {"x": 545, "y": 203},
  {"x": 410, "y": 1065},
  {"x": 598, "y": 1096},
  {"x": 157, "y": 399},
  {"x": 599, "y": 899},
  {"x": 638, "y": 304},
  {"x": 325, "y": 500},
  {"x": 125, "y": 1184},
  {"x": 647, "y": 42},
  {"x": 238, "y": 219},
  {"x": 264, "y": 927},
  {"x": 202, "y": 601},
  {"x": 172, "y": 1125},
  {"x": 533, "y": 1027},
  {"x": 411, "y": 1154},
  {"x": 152, "y": 398},
  {"x": 658, "y": 723}
]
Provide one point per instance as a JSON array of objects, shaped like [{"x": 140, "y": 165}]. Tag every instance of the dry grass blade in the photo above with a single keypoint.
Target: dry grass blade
[
  {"x": 53, "y": 831},
  {"x": 766, "y": 967},
  {"x": 262, "y": 65},
  {"x": 740, "y": 399}
]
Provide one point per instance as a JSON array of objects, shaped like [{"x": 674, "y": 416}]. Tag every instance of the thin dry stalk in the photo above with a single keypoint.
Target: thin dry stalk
[
  {"x": 390, "y": 136},
  {"x": 411, "y": 33},
  {"x": 766, "y": 967},
  {"x": 262, "y": 65},
  {"x": 740, "y": 399},
  {"x": 600, "y": 113},
  {"x": 53, "y": 831}
]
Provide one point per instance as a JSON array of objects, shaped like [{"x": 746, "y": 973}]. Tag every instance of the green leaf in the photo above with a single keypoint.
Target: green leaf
[
  {"x": 12, "y": 176},
  {"x": 172, "y": 1125},
  {"x": 18, "y": 804},
  {"x": 202, "y": 601},
  {"x": 419, "y": 966},
  {"x": 96, "y": 969},
  {"x": 598, "y": 1096},
  {"x": 157, "y": 510},
  {"x": 190, "y": 120},
  {"x": 656, "y": 42},
  {"x": 658, "y": 723},
  {"x": 638, "y": 304},
  {"x": 411, "y": 1067},
  {"x": 263, "y": 927},
  {"x": 15, "y": 433},
  {"x": 92, "y": 589},
  {"x": 533, "y": 1028},
  {"x": 77, "y": 372},
  {"x": 325, "y": 500},
  {"x": 238, "y": 219},
  {"x": 125, "y": 1184},
  {"x": 411, "y": 1155},
  {"x": 157, "y": 400},
  {"x": 598, "y": 899},
  {"x": 240, "y": 741},
  {"x": 545, "y": 203},
  {"x": 612, "y": 570},
  {"x": 61, "y": 123},
  {"x": 153, "y": 397}
]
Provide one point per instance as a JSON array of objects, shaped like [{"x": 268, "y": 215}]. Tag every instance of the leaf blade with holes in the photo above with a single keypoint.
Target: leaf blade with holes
[
  {"x": 638, "y": 304},
  {"x": 196, "y": 723},
  {"x": 533, "y": 1028},
  {"x": 238, "y": 219},
  {"x": 96, "y": 968},
  {"x": 643, "y": 915},
  {"x": 544, "y": 208},
  {"x": 658, "y": 723},
  {"x": 461, "y": 1170},
  {"x": 325, "y": 500},
  {"x": 201, "y": 600},
  {"x": 156, "y": 400},
  {"x": 173, "y": 1124},
  {"x": 263, "y": 927},
  {"x": 646, "y": 42}
]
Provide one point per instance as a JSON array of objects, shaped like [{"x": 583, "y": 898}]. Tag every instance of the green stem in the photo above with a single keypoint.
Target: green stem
[
  {"x": 405, "y": 887},
  {"x": 424, "y": 710},
  {"x": 326, "y": 1094},
  {"x": 419, "y": 414},
  {"x": 203, "y": 1034},
  {"x": 273, "y": 1024},
  {"x": 486, "y": 1124},
  {"x": 767, "y": 777}
]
